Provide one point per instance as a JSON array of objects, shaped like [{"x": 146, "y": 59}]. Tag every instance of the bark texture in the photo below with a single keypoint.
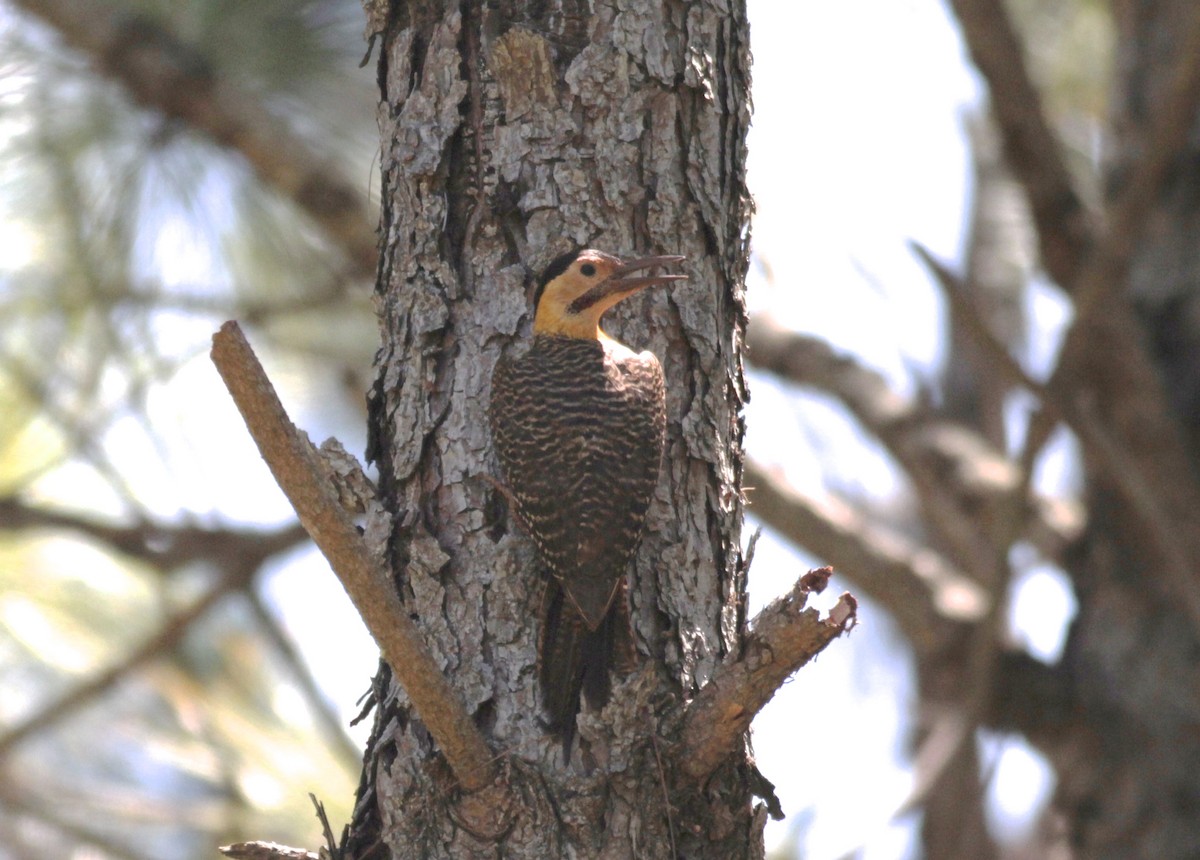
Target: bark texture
[{"x": 510, "y": 135}]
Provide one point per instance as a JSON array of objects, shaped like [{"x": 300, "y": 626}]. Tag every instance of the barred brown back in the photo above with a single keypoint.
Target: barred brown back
[{"x": 579, "y": 427}]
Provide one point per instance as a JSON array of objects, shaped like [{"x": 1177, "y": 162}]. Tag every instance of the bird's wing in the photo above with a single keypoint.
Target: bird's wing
[{"x": 582, "y": 466}]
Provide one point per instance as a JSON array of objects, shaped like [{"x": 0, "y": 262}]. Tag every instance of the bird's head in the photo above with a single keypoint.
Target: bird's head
[{"x": 578, "y": 287}]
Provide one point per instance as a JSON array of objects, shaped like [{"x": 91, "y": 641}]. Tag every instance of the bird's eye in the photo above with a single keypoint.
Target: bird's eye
[{"x": 587, "y": 269}]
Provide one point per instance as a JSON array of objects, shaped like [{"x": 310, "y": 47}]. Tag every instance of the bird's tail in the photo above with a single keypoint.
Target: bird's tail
[{"x": 575, "y": 662}]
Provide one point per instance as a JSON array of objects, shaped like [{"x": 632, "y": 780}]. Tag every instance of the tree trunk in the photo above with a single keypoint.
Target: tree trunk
[
  {"x": 1130, "y": 783},
  {"x": 507, "y": 138}
]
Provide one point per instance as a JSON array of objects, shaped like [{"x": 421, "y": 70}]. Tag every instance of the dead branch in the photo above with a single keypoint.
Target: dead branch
[
  {"x": 920, "y": 588},
  {"x": 304, "y": 481},
  {"x": 782, "y": 638}
]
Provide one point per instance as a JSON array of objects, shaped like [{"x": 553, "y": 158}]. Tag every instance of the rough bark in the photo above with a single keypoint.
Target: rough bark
[{"x": 507, "y": 138}]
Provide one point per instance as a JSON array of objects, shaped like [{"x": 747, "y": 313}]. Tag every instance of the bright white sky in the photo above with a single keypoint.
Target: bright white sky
[{"x": 857, "y": 147}]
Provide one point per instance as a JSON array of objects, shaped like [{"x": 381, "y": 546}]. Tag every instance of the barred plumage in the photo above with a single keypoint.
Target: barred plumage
[{"x": 578, "y": 424}]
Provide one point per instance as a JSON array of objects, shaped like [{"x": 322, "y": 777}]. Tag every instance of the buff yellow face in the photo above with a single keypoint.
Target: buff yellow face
[{"x": 578, "y": 288}]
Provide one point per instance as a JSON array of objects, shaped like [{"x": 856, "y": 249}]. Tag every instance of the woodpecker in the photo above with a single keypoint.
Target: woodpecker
[{"x": 578, "y": 424}]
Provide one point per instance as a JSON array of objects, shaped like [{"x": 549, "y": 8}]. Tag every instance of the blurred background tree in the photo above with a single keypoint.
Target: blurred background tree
[
  {"x": 155, "y": 698},
  {"x": 177, "y": 669}
]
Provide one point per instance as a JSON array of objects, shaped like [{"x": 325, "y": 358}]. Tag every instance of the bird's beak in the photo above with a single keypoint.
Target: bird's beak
[{"x": 621, "y": 282}]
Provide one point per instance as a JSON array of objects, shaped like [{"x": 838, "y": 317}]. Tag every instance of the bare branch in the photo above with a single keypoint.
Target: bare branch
[
  {"x": 782, "y": 638},
  {"x": 917, "y": 442},
  {"x": 965, "y": 314},
  {"x": 1115, "y": 462},
  {"x": 919, "y": 587},
  {"x": 164, "y": 547},
  {"x": 162, "y": 73},
  {"x": 1129, "y": 429},
  {"x": 999, "y": 254},
  {"x": 1034, "y": 153},
  {"x": 955, "y": 470},
  {"x": 16, "y": 798},
  {"x": 295, "y": 466}
]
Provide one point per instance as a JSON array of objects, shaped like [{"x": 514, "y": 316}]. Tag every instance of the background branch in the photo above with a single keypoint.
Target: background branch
[
  {"x": 956, "y": 471},
  {"x": 164, "y": 547},
  {"x": 1031, "y": 147},
  {"x": 1105, "y": 270},
  {"x": 172, "y": 630},
  {"x": 163, "y": 73},
  {"x": 920, "y": 588},
  {"x": 327, "y": 717},
  {"x": 52, "y": 815},
  {"x": 1104, "y": 359},
  {"x": 1060, "y": 403}
]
